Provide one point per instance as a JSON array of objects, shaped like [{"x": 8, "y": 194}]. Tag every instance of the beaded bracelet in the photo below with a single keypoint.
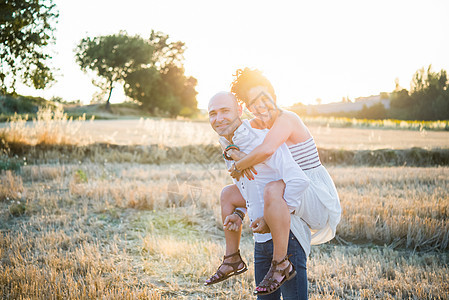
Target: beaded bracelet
[
  {"x": 232, "y": 146},
  {"x": 226, "y": 156}
]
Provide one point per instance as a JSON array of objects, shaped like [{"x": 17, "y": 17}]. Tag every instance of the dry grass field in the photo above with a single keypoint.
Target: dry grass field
[
  {"x": 180, "y": 133},
  {"x": 142, "y": 231},
  {"x": 147, "y": 231}
]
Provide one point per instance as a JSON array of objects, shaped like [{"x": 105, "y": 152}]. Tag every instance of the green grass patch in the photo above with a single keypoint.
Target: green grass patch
[{"x": 442, "y": 125}]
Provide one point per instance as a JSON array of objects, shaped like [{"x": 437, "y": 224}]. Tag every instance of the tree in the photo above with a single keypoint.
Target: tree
[
  {"x": 375, "y": 112},
  {"x": 427, "y": 100},
  {"x": 171, "y": 92},
  {"x": 429, "y": 91},
  {"x": 113, "y": 58},
  {"x": 401, "y": 105},
  {"x": 183, "y": 88},
  {"x": 441, "y": 106},
  {"x": 384, "y": 96},
  {"x": 147, "y": 87},
  {"x": 152, "y": 70},
  {"x": 166, "y": 54},
  {"x": 164, "y": 85},
  {"x": 26, "y": 29}
]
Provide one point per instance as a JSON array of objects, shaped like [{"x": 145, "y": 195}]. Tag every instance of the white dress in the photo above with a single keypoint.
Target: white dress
[{"x": 320, "y": 207}]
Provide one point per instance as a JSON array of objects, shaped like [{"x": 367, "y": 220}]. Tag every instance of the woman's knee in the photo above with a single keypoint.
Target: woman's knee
[{"x": 274, "y": 191}]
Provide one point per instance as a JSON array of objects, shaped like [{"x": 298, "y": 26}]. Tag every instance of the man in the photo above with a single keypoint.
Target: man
[{"x": 224, "y": 117}]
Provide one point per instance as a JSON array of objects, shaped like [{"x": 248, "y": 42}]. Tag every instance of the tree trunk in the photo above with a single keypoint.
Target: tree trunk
[{"x": 108, "y": 104}]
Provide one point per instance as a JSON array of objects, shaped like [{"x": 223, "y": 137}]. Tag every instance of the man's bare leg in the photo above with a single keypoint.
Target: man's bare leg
[{"x": 230, "y": 199}]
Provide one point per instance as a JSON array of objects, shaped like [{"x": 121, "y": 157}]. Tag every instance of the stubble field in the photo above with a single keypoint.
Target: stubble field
[{"x": 153, "y": 231}]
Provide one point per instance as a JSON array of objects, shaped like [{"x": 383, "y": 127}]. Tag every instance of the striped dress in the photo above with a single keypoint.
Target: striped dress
[
  {"x": 306, "y": 154},
  {"x": 320, "y": 205}
]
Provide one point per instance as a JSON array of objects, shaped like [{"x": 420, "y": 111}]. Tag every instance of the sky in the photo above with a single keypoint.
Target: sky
[{"x": 308, "y": 49}]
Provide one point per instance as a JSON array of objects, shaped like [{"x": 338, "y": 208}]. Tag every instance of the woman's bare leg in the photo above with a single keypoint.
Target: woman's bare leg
[
  {"x": 277, "y": 217},
  {"x": 230, "y": 199}
]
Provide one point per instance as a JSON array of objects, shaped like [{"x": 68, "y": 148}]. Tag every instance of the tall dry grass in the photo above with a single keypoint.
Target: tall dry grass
[
  {"x": 54, "y": 127},
  {"x": 399, "y": 206},
  {"x": 153, "y": 232},
  {"x": 11, "y": 186},
  {"x": 338, "y": 272},
  {"x": 51, "y": 127}
]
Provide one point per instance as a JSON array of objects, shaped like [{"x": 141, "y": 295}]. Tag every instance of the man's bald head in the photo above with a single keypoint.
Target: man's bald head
[
  {"x": 223, "y": 96},
  {"x": 224, "y": 113}
]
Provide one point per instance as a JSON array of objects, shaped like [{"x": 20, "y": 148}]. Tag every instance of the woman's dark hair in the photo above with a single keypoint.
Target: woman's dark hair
[{"x": 246, "y": 79}]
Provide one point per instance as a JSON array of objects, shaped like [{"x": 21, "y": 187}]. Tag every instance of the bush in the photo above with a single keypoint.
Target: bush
[
  {"x": 8, "y": 163},
  {"x": 376, "y": 112},
  {"x": 21, "y": 104}
]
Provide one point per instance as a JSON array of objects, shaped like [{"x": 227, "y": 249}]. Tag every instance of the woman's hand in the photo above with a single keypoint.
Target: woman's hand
[
  {"x": 249, "y": 173},
  {"x": 259, "y": 226}
]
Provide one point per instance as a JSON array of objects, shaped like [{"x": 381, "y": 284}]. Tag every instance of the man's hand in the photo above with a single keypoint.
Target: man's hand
[
  {"x": 259, "y": 226},
  {"x": 236, "y": 174},
  {"x": 232, "y": 222}
]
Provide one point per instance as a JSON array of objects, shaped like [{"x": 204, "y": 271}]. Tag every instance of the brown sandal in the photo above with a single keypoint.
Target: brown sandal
[
  {"x": 269, "y": 283},
  {"x": 220, "y": 276}
]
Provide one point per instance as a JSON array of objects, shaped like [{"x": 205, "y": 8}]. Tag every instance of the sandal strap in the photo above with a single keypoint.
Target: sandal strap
[
  {"x": 284, "y": 271},
  {"x": 268, "y": 281},
  {"x": 231, "y": 255},
  {"x": 275, "y": 263},
  {"x": 234, "y": 266}
]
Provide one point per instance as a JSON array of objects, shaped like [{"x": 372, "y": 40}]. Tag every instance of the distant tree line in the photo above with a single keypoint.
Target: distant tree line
[
  {"x": 428, "y": 100},
  {"x": 150, "y": 70}
]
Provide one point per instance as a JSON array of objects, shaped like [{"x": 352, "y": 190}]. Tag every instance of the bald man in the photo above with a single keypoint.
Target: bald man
[{"x": 224, "y": 117}]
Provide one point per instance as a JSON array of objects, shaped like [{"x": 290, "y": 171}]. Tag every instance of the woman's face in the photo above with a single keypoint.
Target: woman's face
[{"x": 261, "y": 104}]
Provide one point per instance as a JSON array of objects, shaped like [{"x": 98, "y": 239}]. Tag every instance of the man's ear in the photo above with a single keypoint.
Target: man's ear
[{"x": 240, "y": 109}]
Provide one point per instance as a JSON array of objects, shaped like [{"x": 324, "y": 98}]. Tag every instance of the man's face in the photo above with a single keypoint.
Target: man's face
[{"x": 224, "y": 114}]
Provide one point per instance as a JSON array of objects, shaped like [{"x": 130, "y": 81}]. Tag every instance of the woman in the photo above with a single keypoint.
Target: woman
[{"x": 256, "y": 92}]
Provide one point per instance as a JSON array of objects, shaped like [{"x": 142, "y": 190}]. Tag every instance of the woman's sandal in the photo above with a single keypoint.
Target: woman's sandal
[
  {"x": 220, "y": 276},
  {"x": 269, "y": 284}
]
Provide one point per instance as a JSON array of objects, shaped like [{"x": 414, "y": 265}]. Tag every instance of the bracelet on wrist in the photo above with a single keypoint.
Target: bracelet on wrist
[
  {"x": 239, "y": 213},
  {"x": 232, "y": 146},
  {"x": 226, "y": 156},
  {"x": 235, "y": 168}
]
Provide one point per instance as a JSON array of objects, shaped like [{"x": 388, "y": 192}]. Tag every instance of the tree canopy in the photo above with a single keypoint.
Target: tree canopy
[
  {"x": 112, "y": 58},
  {"x": 166, "y": 54},
  {"x": 151, "y": 70},
  {"x": 427, "y": 100},
  {"x": 26, "y": 29}
]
